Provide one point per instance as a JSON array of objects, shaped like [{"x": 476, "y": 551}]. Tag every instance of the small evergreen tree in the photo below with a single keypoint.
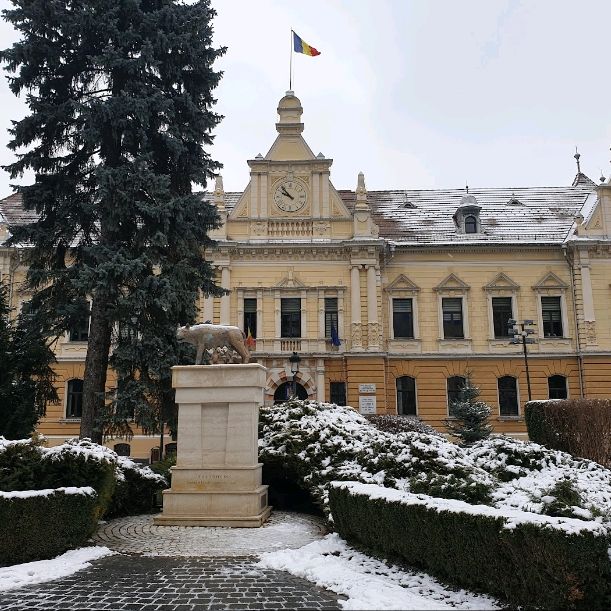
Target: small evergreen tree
[
  {"x": 26, "y": 375},
  {"x": 470, "y": 421}
]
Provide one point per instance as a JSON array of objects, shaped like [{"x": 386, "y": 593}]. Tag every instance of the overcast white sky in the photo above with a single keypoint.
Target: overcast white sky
[{"x": 415, "y": 93}]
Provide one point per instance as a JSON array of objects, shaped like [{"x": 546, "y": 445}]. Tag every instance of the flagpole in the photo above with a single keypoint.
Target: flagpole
[{"x": 291, "y": 65}]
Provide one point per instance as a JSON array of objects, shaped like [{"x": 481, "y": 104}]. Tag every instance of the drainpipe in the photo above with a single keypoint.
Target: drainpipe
[{"x": 569, "y": 262}]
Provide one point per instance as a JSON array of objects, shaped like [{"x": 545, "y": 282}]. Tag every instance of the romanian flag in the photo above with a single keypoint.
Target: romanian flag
[
  {"x": 302, "y": 47},
  {"x": 250, "y": 342}
]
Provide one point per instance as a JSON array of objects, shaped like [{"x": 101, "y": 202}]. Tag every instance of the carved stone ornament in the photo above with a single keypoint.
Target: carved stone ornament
[
  {"x": 259, "y": 228},
  {"x": 215, "y": 343},
  {"x": 373, "y": 334},
  {"x": 590, "y": 331},
  {"x": 357, "y": 334}
]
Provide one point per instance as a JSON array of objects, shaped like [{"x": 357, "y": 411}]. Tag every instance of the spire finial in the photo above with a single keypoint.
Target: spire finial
[
  {"x": 577, "y": 156},
  {"x": 602, "y": 176},
  {"x": 467, "y": 187}
]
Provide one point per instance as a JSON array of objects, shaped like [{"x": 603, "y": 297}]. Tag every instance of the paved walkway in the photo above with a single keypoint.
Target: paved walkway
[{"x": 170, "y": 568}]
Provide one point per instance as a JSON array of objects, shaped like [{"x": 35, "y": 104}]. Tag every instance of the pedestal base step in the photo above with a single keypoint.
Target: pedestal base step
[{"x": 231, "y": 522}]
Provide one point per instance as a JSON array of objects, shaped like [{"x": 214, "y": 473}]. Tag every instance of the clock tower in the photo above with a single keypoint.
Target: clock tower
[{"x": 289, "y": 195}]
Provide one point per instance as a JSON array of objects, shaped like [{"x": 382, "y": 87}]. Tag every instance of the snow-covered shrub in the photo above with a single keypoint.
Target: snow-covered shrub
[
  {"x": 135, "y": 489},
  {"x": 26, "y": 465},
  {"x": 41, "y": 524},
  {"x": 529, "y": 560},
  {"x": 393, "y": 423},
  {"x": 528, "y": 473},
  {"x": 315, "y": 443}
]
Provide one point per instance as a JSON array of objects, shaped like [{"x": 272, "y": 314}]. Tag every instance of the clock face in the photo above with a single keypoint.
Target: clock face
[{"x": 290, "y": 195}]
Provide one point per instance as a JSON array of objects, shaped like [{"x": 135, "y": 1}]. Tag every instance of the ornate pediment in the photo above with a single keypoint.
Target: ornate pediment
[
  {"x": 502, "y": 282},
  {"x": 550, "y": 281},
  {"x": 452, "y": 284},
  {"x": 290, "y": 281},
  {"x": 402, "y": 283}
]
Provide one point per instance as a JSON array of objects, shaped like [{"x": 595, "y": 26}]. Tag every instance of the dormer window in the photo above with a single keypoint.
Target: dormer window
[
  {"x": 467, "y": 216},
  {"x": 470, "y": 224}
]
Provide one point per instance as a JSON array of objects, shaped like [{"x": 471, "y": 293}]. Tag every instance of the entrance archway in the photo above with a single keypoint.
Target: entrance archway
[{"x": 285, "y": 391}]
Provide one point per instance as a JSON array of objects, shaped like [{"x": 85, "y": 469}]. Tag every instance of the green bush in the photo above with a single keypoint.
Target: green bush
[
  {"x": 523, "y": 558},
  {"x": 80, "y": 462},
  {"x": 41, "y": 526},
  {"x": 397, "y": 423},
  {"x": 135, "y": 490},
  {"x": 122, "y": 486},
  {"x": 581, "y": 427},
  {"x": 313, "y": 444}
]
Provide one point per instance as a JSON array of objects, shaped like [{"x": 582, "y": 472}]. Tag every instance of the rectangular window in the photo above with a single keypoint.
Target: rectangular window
[
  {"x": 551, "y": 312},
  {"x": 290, "y": 317},
  {"x": 331, "y": 316},
  {"x": 452, "y": 317},
  {"x": 501, "y": 314},
  {"x": 80, "y": 331},
  {"x": 508, "y": 396},
  {"x": 337, "y": 393},
  {"x": 250, "y": 316},
  {"x": 74, "y": 399},
  {"x": 402, "y": 318}
]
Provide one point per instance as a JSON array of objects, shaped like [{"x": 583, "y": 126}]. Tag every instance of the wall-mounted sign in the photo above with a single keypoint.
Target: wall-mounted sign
[
  {"x": 367, "y": 387},
  {"x": 367, "y": 405}
]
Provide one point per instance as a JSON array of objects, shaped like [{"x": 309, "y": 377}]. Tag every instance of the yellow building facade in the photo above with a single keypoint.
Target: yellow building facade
[{"x": 391, "y": 298}]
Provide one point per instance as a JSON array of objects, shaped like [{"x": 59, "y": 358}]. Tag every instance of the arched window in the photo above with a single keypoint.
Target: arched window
[
  {"x": 455, "y": 385},
  {"x": 556, "y": 386},
  {"x": 470, "y": 224},
  {"x": 286, "y": 390},
  {"x": 122, "y": 449},
  {"x": 406, "y": 396},
  {"x": 508, "y": 396},
  {"x": 74, "y": 399}
]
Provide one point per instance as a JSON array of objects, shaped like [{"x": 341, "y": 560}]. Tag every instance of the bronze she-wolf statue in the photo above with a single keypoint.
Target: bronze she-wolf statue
[{"x": 208, "y": 336}]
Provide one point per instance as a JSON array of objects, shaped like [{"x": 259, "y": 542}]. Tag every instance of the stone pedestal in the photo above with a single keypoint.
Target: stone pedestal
[{"x": 217, "y": 477}]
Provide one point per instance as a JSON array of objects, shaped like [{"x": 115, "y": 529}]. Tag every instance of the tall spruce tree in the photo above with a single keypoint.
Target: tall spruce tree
[
  {"x": 26, "y": 374},
  {"x": 120, "y": 99}
]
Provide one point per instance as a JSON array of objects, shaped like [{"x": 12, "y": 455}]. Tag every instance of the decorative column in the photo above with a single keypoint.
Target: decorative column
[
  {"x": 320, "y": 380},
  {"x": 225, "y": 299},
  {"x": 355, "y": 293},
  {"x": 217, "y": 477},
  {"x": 373, "y": 332}
]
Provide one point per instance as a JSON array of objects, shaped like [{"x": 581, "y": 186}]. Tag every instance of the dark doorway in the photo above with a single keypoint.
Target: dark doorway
[{"x": 285, "y": 391}]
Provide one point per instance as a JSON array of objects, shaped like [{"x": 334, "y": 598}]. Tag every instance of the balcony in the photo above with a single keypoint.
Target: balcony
[{"x": 288, "y": 345}]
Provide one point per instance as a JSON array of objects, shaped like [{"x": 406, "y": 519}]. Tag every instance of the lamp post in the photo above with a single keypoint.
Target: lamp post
[
  {"x": 294, "y": 359},
  {"x": 521, "y": 332}
]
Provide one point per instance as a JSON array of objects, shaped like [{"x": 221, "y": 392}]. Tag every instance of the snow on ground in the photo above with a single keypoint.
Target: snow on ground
[
  {"x": 40, "y": 571},
  {"x": 369, "y": 583}
]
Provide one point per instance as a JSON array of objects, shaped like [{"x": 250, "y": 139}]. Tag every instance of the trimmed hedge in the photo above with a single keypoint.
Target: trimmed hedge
[
  {"x": 581, "y": 427},
  {"x": 135, "y": 490},
  {"x": 519, "y": 558},
  {"x": 42, "y": 524}
]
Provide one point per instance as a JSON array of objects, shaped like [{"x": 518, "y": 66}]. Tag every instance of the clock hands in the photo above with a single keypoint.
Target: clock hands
[{"x": 286, "y": 192}]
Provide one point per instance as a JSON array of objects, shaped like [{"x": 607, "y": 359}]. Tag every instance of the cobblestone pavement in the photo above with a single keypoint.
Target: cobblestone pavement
[
  {"x": 176, "y": 568},
  {"x": 142, "y": 583},
  {"x": 138, "y": 534}
]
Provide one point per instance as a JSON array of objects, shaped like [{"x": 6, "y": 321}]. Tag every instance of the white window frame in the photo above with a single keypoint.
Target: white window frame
[
  {"x": 75, "y": 418},
  {"x": 498, "y": 397},
  {"x": 417, "y": 414},
  {"x": 563, "y": 313},
  {"x": 391, "y": 315},
  {"x": 465, "y": 315}
]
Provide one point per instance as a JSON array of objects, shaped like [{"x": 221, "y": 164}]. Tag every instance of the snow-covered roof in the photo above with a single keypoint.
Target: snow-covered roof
[{"x": 542, "y": 215}]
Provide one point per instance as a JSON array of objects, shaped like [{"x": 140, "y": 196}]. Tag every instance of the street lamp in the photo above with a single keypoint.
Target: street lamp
[
  {"x": 294, "y": 359},
  {"x": 521, "y": 332}
]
